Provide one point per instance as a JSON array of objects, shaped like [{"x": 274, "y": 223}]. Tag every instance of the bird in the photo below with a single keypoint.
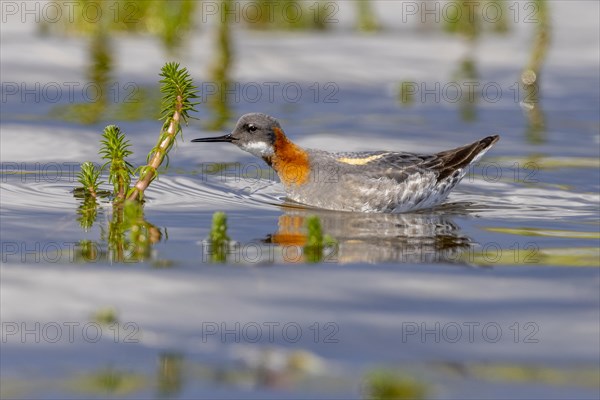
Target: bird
[{"x": 367, "y": 181}]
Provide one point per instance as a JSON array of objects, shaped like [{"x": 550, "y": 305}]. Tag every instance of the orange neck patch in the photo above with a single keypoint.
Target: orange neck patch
[{"x": 289, "y": 161}]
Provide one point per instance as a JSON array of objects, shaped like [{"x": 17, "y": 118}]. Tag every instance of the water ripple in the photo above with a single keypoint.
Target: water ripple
[
  {"x": 510, "y": 201},
  {"x": 493, "y": 200},
  {"x": 37, "y": 196},
  {"x": 184, "y": 192}
]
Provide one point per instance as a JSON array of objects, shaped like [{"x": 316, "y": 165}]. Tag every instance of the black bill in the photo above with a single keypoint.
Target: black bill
[{"x": 224, "y": 138}]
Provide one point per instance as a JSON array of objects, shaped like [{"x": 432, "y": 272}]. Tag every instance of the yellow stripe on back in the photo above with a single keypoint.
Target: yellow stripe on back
[{"x": 360, "y": 161}]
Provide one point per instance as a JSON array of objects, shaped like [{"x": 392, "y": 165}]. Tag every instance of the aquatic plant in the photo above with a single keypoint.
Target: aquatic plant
[
  {"x": 316, "y": 241},
  {"x": 367, "y": 20},
  {"x": 87, "y": 212},
  {"x": 463, "y": 19},
  {"x": 142, "y": 234},
  {"x": 106, "y": 316},
  {"x": 390, "y": 385},
  {"x": 115, "y": 148},
  {"x": 89, "y": 177},
  {"x": 530, "y": 77},
  {"x": 129, "y": 236},
  {"x": 169, "y": 379},
  {"x": 218, "y": 238},
  {"x": 178, "y": 91},
  {"x": 220, "y": 69},
  {"x": 291, "y": 15},
  {"x": 406, "y": 94},
  {"x": 86, "y": 251},
  {"x": 107, "y": 381},
  {"x": 169, "y": 20}
]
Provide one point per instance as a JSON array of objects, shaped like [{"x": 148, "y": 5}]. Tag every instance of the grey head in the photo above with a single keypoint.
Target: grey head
[{"x": 254, "y": 133}]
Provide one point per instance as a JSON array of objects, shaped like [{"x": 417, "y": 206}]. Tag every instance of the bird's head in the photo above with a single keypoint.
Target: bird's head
[{"x": 254, "y": 133}]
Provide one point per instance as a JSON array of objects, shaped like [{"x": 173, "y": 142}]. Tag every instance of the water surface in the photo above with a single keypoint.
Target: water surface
[{"x": 493, "y": 295}]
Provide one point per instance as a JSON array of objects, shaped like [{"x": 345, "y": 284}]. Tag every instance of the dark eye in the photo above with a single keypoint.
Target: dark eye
[{"x": 252, "y": 128}]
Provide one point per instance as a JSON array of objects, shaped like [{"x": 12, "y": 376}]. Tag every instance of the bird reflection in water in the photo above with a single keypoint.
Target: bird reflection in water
[{"x": 425, "y": 237}]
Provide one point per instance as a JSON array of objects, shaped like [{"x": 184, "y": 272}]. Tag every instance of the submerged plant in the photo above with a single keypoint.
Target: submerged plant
[
  {"x": 291, "y": 15},
  {"x": 115, "y": 148},
  {"x": 220, "y": 70},
  {"x": 316, "y": 241},
  {"x": 169, "y": 20},
  {"x": 129, "y": 236},
  {"x": 87, "y": 212},
  {"x": 106, "y": 316},
  {"x": 142, "y": 234},
  {"x": 178, "y": 91},
  {"x": 87, "y": 251},
  {"x": 170, "y": 374},
  {"x": 389, "y": 385},
  {"x": 218, "y": 239},
  {"x": 108, "y": 382},
  {"x": 89, "y": 177},
  {"x": 367, "y": 20},
  {"x": 462, "y": 18},
  {"x": 530, "y": 77}
]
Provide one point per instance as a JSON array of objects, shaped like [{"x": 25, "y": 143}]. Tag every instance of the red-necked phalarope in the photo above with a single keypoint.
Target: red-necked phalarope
[{"x": 374, "y": 181}]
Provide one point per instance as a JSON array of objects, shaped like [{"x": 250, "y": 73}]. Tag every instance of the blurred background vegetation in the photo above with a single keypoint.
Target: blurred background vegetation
[{"x": 173, "y": 21}]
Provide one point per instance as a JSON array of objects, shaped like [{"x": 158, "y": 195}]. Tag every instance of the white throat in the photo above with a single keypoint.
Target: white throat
[{"x": 258, "y": 149}]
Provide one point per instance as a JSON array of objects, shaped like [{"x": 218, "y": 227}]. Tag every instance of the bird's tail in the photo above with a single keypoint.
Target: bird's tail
[{"x": 461, "y": 157}]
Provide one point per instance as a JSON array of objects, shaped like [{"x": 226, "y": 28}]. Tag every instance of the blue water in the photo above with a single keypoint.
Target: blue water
[{"x": 510, "y": 262}]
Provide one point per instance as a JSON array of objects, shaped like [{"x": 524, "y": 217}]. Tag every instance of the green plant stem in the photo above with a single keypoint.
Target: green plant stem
[{"x": 159, "y": 155}]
